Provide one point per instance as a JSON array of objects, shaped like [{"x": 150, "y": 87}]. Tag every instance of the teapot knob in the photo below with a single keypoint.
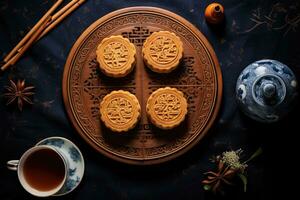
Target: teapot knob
[{"x": 269, "y": 90}]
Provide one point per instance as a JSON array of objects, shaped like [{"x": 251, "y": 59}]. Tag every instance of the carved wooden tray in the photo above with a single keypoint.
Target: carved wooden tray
[{"x": 199, "y": 78}]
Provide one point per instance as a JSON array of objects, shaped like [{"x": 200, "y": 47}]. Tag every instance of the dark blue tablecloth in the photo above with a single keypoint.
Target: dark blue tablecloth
[{"x": 254, "y": 29}]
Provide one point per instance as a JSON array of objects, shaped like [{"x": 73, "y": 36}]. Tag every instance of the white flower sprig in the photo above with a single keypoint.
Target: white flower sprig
[{"x": 229, "y": 165}]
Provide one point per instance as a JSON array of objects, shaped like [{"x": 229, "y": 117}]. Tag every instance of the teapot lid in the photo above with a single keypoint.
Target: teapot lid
[{"x": 266, "y": 90}]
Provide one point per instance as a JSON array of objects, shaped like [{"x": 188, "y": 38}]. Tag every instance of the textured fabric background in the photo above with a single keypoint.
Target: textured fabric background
[{"x": 254, "y": 29}]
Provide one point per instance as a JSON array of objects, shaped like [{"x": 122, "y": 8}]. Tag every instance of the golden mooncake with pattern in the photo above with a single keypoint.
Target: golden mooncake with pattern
[
  {"x": 162, "y": 51},
  {"x": 116, "y": 56},
  {"x": 166, "y": 107},
  {"x": 120, "y": 111}
]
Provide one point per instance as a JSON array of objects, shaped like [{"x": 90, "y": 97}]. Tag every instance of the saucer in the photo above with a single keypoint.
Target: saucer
[{"x": 75, "y": 159}]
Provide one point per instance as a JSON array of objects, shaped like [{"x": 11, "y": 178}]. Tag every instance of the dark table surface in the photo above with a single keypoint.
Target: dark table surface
[{"x": 254, "y": 29}]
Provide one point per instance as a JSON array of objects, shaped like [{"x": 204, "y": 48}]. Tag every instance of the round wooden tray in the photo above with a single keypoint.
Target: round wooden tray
[{"x": 198, "y": 77}]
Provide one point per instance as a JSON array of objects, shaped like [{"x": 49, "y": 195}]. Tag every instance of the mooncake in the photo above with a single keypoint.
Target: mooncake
[
  {"x": 116, "y": 56},
  {"x": 166, "y": 107},
  {"x": 120, "y": 111},
  {"x": 162, "y": 51}
]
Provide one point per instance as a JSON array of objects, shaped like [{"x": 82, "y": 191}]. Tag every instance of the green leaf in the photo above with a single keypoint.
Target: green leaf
[
  {"x": 206, "y": 187},
  {"x": 244, "y": 180},
  {"x": 257, "y": 153}
]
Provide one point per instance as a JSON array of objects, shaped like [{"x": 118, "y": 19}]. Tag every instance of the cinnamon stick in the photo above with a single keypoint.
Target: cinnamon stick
[
  {"x": 64, "y": 14},
  {"x": 64, "y": 9},
  {"x": 40, "y": 29},
  {"x": 23, "y": 49},
  {"x": 32, "y": 31}
]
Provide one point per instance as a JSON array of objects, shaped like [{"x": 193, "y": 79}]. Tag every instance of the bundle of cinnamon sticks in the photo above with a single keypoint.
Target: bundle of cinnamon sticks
[{"x": 40, "y": 29}]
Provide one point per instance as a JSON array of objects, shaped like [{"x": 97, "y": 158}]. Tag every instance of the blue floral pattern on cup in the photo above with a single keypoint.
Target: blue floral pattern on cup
[
  {"x": 74, "y": 154},
  {"x": 71, "y": 183},
  {"x": 54, "y": 142},
  {"x": 72, "y": 172}
]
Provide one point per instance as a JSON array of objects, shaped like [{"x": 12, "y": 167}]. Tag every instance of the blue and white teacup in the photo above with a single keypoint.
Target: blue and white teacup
[
  {"x": 52, "y": 157},
  {"x": 42, "y": 170}
]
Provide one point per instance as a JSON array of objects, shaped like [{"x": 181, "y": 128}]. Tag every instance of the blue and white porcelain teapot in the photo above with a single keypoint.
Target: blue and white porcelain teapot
[{"x": 266, "y": 90}]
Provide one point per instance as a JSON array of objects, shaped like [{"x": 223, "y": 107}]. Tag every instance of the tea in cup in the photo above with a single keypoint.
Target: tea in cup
[
  {"x": 42, "y": 170},
  {"x": 53, "y": 167}
]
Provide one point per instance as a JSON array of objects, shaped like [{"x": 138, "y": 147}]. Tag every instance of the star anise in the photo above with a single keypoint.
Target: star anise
[
  {"x": 215, "y": 180},
  {"x": 18, "y": 92}
]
